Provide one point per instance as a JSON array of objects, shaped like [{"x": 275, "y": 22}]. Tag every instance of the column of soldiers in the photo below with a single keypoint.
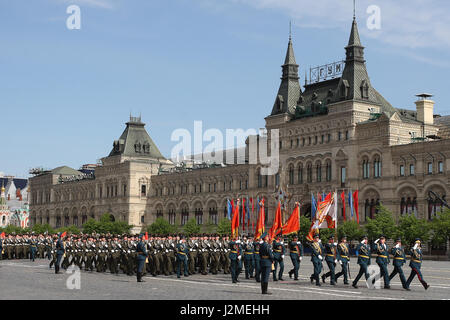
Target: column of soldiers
[{"x": 204, "y": 254}]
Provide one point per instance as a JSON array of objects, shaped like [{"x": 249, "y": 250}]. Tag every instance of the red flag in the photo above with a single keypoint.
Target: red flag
[
  {"x": 146, "y": 236},
  {"x": 235, "y": 221},
  {"x": 355, "y": 205},
  {"x": 293, "y": 223},
  {"x": 260, "y": 223},
  {"x": 2, "y": 236},
  {"x": 343, "y": 202},
  {"x": 63, "y": 234},
  {"x": 276, "y": 226}
]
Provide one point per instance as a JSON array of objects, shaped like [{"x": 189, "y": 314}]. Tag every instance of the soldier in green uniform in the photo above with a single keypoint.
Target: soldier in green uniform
[
  {"x": 141, "y": 256},
  {"x": 331, "y": 259},
  {"x": 382, "y": 259},
  {"x": 235, "y": 257},
  {"x": 398, "y": 262},
  {"x": 266, "y": 259},
  {"x": 33, "y": 247},
  {"x": 363, "y": 252},
  {"x": 343, "y": 258},
  {"x": 296, "y": 254},
  {"x": 278, "y": 258},
  {"x": 182, "y": 257},
  {"x": 415, "y": 264},
  {"x": 247, "y": 247},
  {"x": 316, "y": 258}
]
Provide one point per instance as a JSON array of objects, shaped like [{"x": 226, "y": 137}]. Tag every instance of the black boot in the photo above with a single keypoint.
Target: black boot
[
  {"x": 263, "y": 288},
  {"x": 266, "y": 285}
]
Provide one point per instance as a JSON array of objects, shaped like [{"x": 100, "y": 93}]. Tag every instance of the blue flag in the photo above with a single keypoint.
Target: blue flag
[
  {"x": 313, "y": 207},
  {"x": 229, "y": 209},
  {"x": 350, "y": 203}
]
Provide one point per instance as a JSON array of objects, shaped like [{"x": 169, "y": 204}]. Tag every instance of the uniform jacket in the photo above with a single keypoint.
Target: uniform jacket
[
  {"x": 399, "y": 256},
  {"x": 266, "y": 255},
  {"x": 317, "y": 250},
  {"x": 363, "y": 253},
  {"x": 343, "y": 252},
  {"x": 382, "y": 253}
]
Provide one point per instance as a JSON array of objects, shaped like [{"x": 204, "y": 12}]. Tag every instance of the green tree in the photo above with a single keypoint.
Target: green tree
[
  {"x": 160, "y": 226},
  {"x": 351, "y": 229},
  {"x": 409, "y": 228},
  {"x": 224, "y": 227},
  {"x": 210, "y": 228},
  {"x": 106, "y": 225},
  {"x": 383, "y": 223},
  {"x": 42, "y": 228},
  {"x": 69, "y": 230},
  {"x": 191, "y": 227},
  {"x": 325, "y": 233},
  {"x": 305, "y": 224},
  {"x": 440, "y": 226}
]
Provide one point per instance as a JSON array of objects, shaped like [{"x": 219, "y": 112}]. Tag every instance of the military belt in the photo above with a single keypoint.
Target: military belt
[
  {"x": 346, "y": 257},
  {"x": 248, "y": 252},
  {"x": 233, "y": 251},
  {"x": 330, "y": 255},
  {"x": 181, "y": 253},
  {"x": 416, "y": 261},
  {"x": 277, "y": 250},
  {"x": 256, "y": 252},
  {"x": 382, "y": 256},
  {"x": 399, "y": 258},
  {"x": 265, "y": 257},
  {"x": 364, "y": 256}
]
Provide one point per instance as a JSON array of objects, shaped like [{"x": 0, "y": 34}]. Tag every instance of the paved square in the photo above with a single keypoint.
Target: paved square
[{"x": 22, "y": 279}]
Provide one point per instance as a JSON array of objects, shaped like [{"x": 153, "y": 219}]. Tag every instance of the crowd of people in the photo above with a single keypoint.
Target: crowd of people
[{"x": 158, "y": 255}]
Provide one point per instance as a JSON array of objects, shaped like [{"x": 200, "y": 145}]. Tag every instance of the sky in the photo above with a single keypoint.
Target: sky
[{"x": 65, "y": 95}]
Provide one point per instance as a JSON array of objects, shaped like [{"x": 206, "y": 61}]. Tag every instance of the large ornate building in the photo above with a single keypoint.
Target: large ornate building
[{"x": 335, "y": 134}]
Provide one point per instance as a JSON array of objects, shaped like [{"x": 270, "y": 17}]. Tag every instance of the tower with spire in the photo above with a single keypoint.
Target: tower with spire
[{"x": 289, "y": 91}]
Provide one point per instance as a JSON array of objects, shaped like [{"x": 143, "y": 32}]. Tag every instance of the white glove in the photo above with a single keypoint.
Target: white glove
[
  {"x": 363, "y": 241},
  {"x": 239, "y": 257},
  {"x": 238, "y": 241},
  {"x": 397, "y": 246},
  {"x": 335, "y": 261},
  {"x": 320, "y": 241},
  {"x": 282, "y": 256},
  {"x": 320, "y": 257},
  {"x": 340, "y": 262},
  {"x": 261, "y": 242},
  {"x": 298, "y": 242},
  {"x": 167, "y": 250},
  {"x": 415, "y": 246},
  {"x": 376, "y": 241},
  {"x": 301, "y": 258},
  {"x": 282, "y": 242}
]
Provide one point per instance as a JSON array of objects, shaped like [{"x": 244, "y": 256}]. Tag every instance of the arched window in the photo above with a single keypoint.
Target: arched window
[
  {"x": 328, "y": 172},
  {"x": 403, "y": 206},
  {"x": 213, "y": 217},
  {"x": 172, "y": 216},
  {"x": 300, "y": 174},
  {"x": 199, "y": 216},
  {"x": 309, "y": 173},
  {"x": 365, "y": 169},
  {"x": 319, "y": 172},
  {"x": 377, "y": 167},
  {"x": 184, "y": 215},
  {"x": 291, "y": 174}
]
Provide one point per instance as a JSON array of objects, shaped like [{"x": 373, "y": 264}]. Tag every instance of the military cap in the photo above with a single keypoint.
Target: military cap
[
  {"x": 398, "y": 240},
  {"x": 330, "y": 237},
  {"x": 344, "y": 237},
  {"x": 382, "y": 237},
  {"x": 417, "y": 240},
  {"x": 316, "y": 236},
  {"x": 364, "y": 237}
]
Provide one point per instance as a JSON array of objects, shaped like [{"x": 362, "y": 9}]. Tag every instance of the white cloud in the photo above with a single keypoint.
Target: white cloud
[
  {"x": 105, "y": 4},
  {"x": 404, "y": 23}
]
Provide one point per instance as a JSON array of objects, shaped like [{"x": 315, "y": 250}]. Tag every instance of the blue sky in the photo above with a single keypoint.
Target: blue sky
[{"x": 66, "y": 94}]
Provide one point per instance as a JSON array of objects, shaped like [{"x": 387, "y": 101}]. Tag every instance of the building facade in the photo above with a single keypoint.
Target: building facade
[{"x": 337, "y": 134}]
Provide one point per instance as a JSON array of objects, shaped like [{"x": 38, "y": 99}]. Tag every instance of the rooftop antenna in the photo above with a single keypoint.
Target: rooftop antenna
[{"x": 354, "y": 9}]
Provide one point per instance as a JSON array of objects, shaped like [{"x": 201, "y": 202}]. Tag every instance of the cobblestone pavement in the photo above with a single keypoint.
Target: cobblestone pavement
[{"x": 23, "y": 279}]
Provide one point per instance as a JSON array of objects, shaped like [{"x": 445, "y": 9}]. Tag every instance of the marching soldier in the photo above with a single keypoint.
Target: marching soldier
[
  {"x": 215, "y": 255},
  {"x": 382, "y": 259},
  {"x": 363, "y": 260},
  {"x": 248, "y": 249},
  {"x": 296, "y": 254},
  {"x": 331, "y": 260},
  {"x": 266, "y": 257},
  {"x": 344, "y": 259},
  {"x": 235, "y": 257},
  {"x": 225, "y": 255},
  {"x": 182, "y": 258},
  {"x": 141, "y": 256},
  {"x": 2, "y": 251},
  {"x": 33, "y": 247},
  {"x": 60, "y": 252},
  {"x": 415, "y": 264},
  {"x": 399, "y": 261},
  {"x": 203, "y": 256},
  {"x": 316, "y": 258},
  {"x": 257, "y": 259},
  {"x": 278, "y": 258}
]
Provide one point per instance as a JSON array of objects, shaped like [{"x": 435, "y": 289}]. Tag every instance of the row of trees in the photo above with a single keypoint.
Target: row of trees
[
  {"x": 162, "y": 226},
  {"x": 104, "y": 225}
]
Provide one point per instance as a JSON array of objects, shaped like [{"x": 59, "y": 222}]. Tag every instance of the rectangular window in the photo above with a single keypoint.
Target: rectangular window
[
  {"x": 441, "y": 167},
  {"x": 328, "y": 137},
  {"x": 346, "y": 135},
  {"x": 402, "y": 170},
  {"x": 343, "y": 174},
  {"x": 322, "y": 139},
  {"x": 411, "y": 170},
  {"x": 430, "y": 167}
]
